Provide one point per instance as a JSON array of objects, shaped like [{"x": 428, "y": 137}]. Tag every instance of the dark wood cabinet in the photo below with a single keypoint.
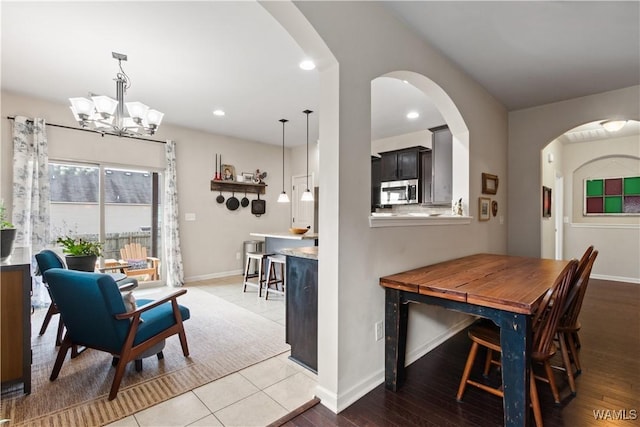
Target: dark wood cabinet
[
  {"x": 302, "y": 311},
  {"x": 400, "y": 164},
  {"x": 15, "y": 320},
  {"x": 376, "y": 169}
]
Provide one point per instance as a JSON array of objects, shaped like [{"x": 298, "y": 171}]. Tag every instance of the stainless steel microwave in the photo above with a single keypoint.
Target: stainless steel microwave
[{"x": 399, "y": 192}]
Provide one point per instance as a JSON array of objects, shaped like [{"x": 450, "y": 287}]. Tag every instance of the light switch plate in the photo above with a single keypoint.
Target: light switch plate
[{"x": 189, "y": 217}]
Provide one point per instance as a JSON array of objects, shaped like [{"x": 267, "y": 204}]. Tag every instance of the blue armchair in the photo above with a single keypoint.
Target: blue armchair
[
  {"x": 95, "y": 316},
  {"x": 47, "y": 259}
]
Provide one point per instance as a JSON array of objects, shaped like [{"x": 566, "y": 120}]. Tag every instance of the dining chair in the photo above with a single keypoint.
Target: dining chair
[
  {"x": 581, "y": 266},
  {"x": 544, "y": 324},
  {"x": 569, "y": 325},
  {"x": 95, "y": 317}
]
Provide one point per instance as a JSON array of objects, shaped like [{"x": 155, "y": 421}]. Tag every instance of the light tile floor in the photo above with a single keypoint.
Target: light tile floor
[{"x": 254, "y": 396}]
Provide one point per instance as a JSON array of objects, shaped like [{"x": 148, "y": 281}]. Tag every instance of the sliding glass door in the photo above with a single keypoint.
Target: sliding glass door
[{"x": 118, "y": 206}]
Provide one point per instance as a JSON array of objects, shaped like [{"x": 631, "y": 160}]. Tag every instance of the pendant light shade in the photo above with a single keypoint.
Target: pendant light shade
[
  {"x": 307, "y": 196},
  {"x": 283, "y": 198}
]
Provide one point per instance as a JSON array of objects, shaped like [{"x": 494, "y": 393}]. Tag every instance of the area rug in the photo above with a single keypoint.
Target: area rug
[{"x": 223, "y": 338}]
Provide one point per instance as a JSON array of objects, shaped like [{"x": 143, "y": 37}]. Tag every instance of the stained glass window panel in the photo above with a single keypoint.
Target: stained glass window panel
[
  {"x": 632, "y": 185},
  {"x": 594, "y": 187},
  {"x": 613, "y": 204}
]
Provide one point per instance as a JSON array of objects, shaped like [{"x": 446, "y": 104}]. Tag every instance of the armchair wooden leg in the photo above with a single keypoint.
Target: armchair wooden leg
[
  {"x": 62, "y": 353},
  {"x": 160, "y": 355},
  {"x": 60, "y": 331},
  {"x": 183, "y": 342},
  {"x": 117, "y": 378},
  {"x": 47, "y": 318}
]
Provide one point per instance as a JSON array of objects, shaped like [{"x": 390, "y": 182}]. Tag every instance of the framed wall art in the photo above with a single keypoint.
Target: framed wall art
[
  {"x": 228, "y": 172},
  {"x": 484, "y": 208},
  {"x": 489, "y": 183},
  {"x": 546, "y": 202}
]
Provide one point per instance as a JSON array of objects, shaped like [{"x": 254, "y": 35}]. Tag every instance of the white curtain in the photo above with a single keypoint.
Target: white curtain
[
  {"x": 170, "y": 232},
  {"x": 30, "y": 213},
  {"x": 31, "y": 195}
]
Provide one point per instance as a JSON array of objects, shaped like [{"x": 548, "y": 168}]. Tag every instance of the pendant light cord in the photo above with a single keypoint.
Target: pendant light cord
[{"x": 283, "y": 122}]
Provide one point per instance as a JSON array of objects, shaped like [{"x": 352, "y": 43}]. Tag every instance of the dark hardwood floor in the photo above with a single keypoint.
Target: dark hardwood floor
[{"x": 610, "y": 378}]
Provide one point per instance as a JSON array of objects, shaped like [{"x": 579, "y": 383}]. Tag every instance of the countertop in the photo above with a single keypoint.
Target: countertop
[
  {"x": 287, "y": 235},
  {"x": 310, "y": 252}
]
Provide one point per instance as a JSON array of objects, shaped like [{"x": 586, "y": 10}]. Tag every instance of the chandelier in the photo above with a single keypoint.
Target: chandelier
[{"x": 106, "y": 115}]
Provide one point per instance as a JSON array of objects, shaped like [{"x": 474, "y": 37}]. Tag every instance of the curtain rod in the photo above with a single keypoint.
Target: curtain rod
[{"x": 94, "y": 131}]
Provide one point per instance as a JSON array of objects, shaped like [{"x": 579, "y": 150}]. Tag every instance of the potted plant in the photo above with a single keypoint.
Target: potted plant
[
  {"x": 7, "y": 234},
  {"x": 80, "y": 254}
]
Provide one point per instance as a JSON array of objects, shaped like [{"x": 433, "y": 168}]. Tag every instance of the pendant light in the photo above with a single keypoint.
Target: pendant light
[
  {"x": 283, "y": 198},
  {"x": 307, "y": 196}
]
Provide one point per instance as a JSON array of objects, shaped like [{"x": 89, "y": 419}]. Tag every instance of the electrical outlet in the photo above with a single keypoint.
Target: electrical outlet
[
  {"x": 379, "y": 330},
  {"x": 237, "y": 255}
]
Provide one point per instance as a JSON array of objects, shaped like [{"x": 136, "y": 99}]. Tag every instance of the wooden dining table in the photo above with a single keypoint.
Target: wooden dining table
[{"x": 506, "y": 289}]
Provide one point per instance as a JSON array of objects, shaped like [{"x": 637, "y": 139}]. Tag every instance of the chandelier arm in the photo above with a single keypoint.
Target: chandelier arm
[{"x": 122, "y": 75}]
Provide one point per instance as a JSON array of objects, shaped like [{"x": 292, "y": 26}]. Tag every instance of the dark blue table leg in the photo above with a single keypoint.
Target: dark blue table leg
[
  {"x": 515, "y": 340},
  {"x": 395, "y": 324}
]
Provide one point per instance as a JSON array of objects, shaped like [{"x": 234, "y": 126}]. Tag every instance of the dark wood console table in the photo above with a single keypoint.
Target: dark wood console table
[{"x": 15, "y": 319}]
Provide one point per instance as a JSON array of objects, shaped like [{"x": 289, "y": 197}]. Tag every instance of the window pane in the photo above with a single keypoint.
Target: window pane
[{"x": 74, "y": 200}]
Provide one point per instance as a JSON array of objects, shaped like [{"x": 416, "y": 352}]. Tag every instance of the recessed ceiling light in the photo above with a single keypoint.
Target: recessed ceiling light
[
  {"x": 218, "y": 113},
  {"x": 307, "y": 65},
  {"x": 413, "y": 115},
  {"x": 613, "y": 125}
]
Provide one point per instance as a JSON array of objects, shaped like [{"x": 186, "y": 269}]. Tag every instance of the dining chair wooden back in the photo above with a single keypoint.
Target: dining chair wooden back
[
  {"x": 582, "y": 264},
  {"x": 544, "y": 325},
  {"x": 569, "y": 325}
]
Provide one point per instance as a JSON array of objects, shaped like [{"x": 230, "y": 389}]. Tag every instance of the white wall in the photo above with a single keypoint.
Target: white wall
[
  {"x": 617, "y": 238},
  {"x": 211, "y": 242},
  {"x": 414, "y": 139},
  {"x": 550, "y": 170},
  {"x": 530, "y": 130},
  {"x": 353, "y": 256}
]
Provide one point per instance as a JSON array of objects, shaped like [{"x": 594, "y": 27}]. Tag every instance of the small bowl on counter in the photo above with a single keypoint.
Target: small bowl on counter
[{"x": 298, "y": 230}]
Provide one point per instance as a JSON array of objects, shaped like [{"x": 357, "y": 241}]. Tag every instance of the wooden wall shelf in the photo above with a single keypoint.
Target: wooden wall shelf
[{"x": 238, "y": 187}]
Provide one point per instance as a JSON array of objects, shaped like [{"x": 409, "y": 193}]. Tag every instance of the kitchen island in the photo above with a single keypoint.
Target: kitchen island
[
  {"x": 274, "y": 242},
  {"x": 302, "y": 305}
]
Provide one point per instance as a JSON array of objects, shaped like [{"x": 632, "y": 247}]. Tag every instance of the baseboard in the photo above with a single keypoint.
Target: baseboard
[
  {"x": 635, "y": 280},
  {"x": 338, "y": 403},
  {"x": 212, "y": 276},
  {"x": 328, "y": 398}
]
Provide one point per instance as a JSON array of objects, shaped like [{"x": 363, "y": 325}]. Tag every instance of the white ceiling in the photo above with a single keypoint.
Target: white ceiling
[{"x": 189, "y": 58}]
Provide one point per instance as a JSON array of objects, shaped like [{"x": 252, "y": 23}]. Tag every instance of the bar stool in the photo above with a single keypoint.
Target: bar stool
[
  {"x": 261, "y": 259},
  {"x": 272, "y": 277}
]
